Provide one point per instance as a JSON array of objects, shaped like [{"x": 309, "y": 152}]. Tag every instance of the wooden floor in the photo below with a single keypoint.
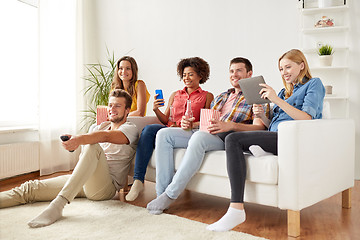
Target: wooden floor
[{"x": 324, "y": 220}]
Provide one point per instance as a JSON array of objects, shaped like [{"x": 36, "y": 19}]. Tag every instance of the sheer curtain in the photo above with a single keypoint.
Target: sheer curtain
[{"x": 58, "y": 82}]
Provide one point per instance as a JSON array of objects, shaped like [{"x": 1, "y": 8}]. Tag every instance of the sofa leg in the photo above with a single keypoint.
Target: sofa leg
[
  {"x": 346, "y": 198},
  {"x": 293, "y": 223}
]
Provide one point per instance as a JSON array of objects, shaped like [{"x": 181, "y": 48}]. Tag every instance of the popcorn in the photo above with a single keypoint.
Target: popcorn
[
  {"x": 101, "y": 114},
  {"x": 205, "y": 116}
]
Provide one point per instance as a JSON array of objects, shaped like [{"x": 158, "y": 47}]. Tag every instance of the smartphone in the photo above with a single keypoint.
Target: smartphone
[{"x": 160, "y": 95}]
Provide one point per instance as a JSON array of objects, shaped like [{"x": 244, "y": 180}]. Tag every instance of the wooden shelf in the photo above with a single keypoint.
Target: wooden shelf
[
  {"x": 325, "y": 29},
  {"x": 336, "y": 36},
  {"x": 329, "y": 68},
  {"x": 335, "y": 97},
  {"x": 310, "y": 11},
  {"x": 314, "y": 50}
]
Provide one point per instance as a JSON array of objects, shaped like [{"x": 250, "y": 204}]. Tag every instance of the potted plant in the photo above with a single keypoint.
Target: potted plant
[
  {"x": 98, "y": 83},
  {"x": 325, "y": 53}
]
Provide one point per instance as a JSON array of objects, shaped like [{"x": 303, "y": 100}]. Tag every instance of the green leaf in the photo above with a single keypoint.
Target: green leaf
[
  {"x": 99, "y": 78},
  {"x": 325, "y": 50}
]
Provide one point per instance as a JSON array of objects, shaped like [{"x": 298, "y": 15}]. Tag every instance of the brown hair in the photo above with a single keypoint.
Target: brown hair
[
  {"x": 122, "y": 93},
  {"x": 200, "y": 66},
  {"x": 245, "y": 61},
  {"x": 117, "y": 83},
  {"x": 298, "y": 57}
]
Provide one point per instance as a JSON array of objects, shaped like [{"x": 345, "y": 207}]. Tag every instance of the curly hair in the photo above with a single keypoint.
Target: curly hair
[
  {"x": 117, "y": 82},
  {"x": 200, "y": 66}
]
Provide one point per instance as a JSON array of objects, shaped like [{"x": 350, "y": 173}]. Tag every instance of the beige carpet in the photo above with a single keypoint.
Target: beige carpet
[{"x": 84, "y": 219}]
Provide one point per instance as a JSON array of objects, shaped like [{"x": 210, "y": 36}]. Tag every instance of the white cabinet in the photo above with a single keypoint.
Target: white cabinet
[{"x": 336, "y": 75}]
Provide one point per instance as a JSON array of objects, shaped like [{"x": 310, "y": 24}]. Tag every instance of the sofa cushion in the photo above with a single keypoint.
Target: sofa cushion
[
  {"x": 259, "y": 170},
  {"x": 262, "y": 169}
]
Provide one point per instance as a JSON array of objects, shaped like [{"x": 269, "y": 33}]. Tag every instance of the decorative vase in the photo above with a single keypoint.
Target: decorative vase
[
  {"x": 328, "y": 89},
  {"x": 325, "y": 3},
  {"x": 325, "y": 60}
]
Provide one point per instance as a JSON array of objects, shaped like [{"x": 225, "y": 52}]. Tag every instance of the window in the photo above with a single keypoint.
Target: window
[{"x": 19, "y": 64}]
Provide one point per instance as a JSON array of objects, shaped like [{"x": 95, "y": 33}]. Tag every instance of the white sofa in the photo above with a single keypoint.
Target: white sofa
[{"x": 315, "y": 161}]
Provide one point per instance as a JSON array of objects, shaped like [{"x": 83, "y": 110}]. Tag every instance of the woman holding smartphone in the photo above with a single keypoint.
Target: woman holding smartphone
[
  {"x": 193, "y": 72},
  {"x": 300, "y": 99}
]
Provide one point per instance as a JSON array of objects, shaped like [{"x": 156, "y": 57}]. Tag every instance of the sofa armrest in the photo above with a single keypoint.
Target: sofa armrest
[
  {"x": 316, "y": 160},
  {"x": 141, "y": 122}
]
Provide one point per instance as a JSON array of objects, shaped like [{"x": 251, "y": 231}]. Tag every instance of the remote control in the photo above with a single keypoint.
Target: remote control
[{"x": 64, "y": 139}]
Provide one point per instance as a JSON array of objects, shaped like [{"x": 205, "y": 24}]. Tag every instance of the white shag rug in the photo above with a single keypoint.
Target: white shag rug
[{"x": 113, "y": 219}]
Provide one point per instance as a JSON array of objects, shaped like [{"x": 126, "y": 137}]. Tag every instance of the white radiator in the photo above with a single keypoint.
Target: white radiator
[{"x": 18, "y": 158}]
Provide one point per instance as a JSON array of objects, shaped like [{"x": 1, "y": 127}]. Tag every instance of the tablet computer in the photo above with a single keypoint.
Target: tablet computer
[{"x": 250, "y": 88}]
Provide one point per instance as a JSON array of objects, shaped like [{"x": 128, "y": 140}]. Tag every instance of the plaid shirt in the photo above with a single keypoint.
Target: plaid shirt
[{"x": 241, "y": 112}]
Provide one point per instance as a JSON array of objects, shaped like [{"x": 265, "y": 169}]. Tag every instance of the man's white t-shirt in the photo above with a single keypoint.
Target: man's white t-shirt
[{"x": 119, "y": 156}]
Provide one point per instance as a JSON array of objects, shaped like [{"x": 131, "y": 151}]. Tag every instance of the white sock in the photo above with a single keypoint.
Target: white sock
[
  {"x": 257, "y": 151},
  {"x": 135, "y": 189},
  {"x": 231, "y": 219},
  {"x": 51, "y": 214},
  {"x": 159, "y": 204}
]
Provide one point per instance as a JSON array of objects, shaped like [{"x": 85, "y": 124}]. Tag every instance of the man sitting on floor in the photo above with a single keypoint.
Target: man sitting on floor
[{"x": 102, "y": 168}]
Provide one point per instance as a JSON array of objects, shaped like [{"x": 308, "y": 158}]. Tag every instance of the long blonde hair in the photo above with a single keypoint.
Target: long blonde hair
[
  {"x": 298, "y": 57},
  {"x": 117, "y": 83}
]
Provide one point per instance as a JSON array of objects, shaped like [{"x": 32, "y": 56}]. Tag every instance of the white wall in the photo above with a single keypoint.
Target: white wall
[
  {"x": 355, "y": 77},
  {"x": 159, "y": 33}
]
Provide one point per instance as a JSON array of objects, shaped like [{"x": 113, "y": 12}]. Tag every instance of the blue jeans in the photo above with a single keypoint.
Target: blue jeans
[
  {"x": 197, "y": 144},
  {"x": 145, "y": 149}
]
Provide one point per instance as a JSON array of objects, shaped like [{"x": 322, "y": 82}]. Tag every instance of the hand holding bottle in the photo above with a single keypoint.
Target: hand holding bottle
[
  {"x": 186, "y": 123},
  {"x": 258, "y": 110},
  {"x": 188, "y": 118}
]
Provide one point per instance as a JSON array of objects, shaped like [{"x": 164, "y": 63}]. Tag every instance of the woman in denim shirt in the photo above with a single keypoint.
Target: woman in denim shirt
[{"x": 301, "y": 99}]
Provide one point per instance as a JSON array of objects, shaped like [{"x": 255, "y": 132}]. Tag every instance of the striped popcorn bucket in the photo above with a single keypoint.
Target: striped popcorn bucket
[
  {"x": 205, "y": 116},
  {"x": 101, "y": 114}
]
